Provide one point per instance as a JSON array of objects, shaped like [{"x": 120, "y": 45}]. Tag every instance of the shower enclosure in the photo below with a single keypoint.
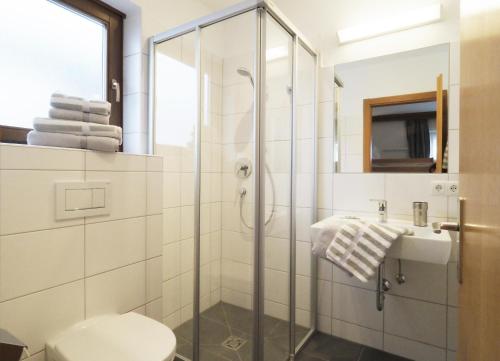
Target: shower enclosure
[{"x": 233, "y": 100}]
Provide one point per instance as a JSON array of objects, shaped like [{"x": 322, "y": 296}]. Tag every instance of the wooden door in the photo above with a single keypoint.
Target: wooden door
[{"x": 479, "y": 294}]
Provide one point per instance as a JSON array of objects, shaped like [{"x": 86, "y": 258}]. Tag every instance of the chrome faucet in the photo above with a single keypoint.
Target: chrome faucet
[{"x": 382, "y": 209}]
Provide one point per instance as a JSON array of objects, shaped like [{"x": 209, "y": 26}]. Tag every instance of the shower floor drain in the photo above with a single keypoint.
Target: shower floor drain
[{"x": 234, "y": 343}]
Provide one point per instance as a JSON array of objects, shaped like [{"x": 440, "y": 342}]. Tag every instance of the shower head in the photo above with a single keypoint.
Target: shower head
[{"x": 246, "y": 73}]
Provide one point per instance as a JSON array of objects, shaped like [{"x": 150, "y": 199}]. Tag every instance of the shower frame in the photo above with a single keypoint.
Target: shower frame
[{"x": 263, "y": 9}]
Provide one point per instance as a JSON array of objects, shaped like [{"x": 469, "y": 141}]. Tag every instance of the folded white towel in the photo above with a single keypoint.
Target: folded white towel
[
  {"x": 359, "y": 247},
  {"x": 65, "y": 114},
  {"x": 62, "y": 101},
  {"x": 102, "y": 144},
  {"x": 77, "y": 128}
]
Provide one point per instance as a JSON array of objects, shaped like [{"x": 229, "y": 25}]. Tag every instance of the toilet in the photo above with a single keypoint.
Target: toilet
[{"x": 127, "y": 337}]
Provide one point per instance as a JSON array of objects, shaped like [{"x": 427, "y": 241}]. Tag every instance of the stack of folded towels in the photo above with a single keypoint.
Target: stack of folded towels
[{"x": 77, "y": 123}]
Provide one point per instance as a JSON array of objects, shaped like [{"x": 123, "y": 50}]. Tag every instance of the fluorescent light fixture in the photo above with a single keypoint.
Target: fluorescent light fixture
[
  {"x": 276, "y": 53},
  {"x": 397, "y": 22},
  {"x": 475, "y": 7}
]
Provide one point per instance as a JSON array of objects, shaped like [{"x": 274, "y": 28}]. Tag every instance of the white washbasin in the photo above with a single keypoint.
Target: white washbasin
[{"x": 423, "y": 246}]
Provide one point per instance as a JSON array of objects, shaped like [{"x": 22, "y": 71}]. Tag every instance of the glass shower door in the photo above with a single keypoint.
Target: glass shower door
[
  {"x": 228, "y": 50},
  {"x": 277, "y": 160},
  {"x": 305, "y": 300}
]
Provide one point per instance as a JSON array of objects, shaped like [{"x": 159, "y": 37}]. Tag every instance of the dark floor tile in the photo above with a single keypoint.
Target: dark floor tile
[
  {"x": 370, "y": 354},
  {"x": 332, "y": 348}
]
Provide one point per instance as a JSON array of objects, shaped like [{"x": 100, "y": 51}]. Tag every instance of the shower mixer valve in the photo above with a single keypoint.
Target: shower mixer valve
[{"x": 243, "y": 168}]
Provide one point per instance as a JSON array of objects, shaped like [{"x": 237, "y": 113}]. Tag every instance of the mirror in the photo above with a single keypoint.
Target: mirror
[{"x": 392, "y": 113}]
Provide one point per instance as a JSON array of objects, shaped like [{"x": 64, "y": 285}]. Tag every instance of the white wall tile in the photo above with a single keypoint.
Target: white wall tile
[
  {"x": 117, "y": 291},
  {"x": 27, "y": 201},
  {"x": 357, "y": 306},
  {"x": 135, "y": 116},
  {"x": 401, "y": 190},
  {"x": 13, "y": 156},
  {"x": 114, "y": 244},
  {"x": 154, "y": 310},
  {"x": 451, "y": 356},
  {"x": 358, "y": 334},
  {"x": 237, "y": 276},
  {"x": 154, "y": 163},
  {"x": 452, "y": 329},
  {"x": 453, "y": 151},
  {"x": 173, "y": 320},
  {"x": 171, "y": 296},
  {"x": 276, "y": 286},
  {"x": 171, "y": 225},
  {"x": 40, "y": 316},
  {"x": 341, "y": 276},
  {"x": 325, "y": 191},
  {"x": 102, "y": 161},
  {"x": 352, "y": 192},
  {"x": 153, "y": 278},
  {"x": 414, "y": 350},
  {"x": 324, "y": 298},
  {"x": 128, "y": 194},
  {"x": 416, "y": 320},
  {"x": 154, "y": 202},
  {"x": 424, "y": 281},
  {"x": 171, "y": 190},
  {"x": 31, "y": 262},
  {"x": 454, "y": 107},
  {"x": 324, "y": 324},
  {"x": 452, "y": 284},
  {"x": 187, "y": 282},
  {"x": 171, "y": 260},
  {"x": 154, "y": 235}
]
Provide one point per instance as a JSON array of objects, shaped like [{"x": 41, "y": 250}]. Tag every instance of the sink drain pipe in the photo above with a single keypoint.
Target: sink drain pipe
[{"x": 383, "y": 285}]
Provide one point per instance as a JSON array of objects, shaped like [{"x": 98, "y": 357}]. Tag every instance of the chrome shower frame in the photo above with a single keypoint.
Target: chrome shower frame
[{"x": 263, "y": 9}]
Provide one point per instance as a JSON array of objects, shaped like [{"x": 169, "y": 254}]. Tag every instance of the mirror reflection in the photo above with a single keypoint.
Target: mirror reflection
[{"x": 392, "y": 114}]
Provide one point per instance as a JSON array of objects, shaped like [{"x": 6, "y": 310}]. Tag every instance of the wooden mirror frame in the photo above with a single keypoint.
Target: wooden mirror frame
[{"x": 440, "y": 96}]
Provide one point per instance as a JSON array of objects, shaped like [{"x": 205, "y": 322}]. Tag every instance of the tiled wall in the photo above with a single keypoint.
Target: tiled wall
[
  {"x": 56, "y": 273},
  {"x": 420, "y": 317}
]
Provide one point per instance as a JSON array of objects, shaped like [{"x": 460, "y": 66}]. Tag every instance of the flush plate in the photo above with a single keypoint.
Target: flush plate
[{"x": 82, "y": 199}]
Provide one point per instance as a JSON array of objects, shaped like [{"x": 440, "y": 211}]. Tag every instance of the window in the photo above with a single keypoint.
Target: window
[{"x": 69, "y": 46}]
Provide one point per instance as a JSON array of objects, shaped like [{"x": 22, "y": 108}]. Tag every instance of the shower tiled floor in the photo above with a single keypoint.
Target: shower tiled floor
[{"x": 223, "y": 320}]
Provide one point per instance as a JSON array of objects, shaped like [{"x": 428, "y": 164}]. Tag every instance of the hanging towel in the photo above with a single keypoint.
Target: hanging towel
[
  {"x": 77, "y": 115},
  {"x": 359, "y": 247},
  {"x": 103, "y": 144},
  {"x": 62, "y": 101},
  {"x": 77, "y": 128}
]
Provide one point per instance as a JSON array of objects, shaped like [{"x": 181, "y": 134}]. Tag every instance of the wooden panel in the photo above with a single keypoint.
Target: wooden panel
[
  {"x": 367, "y": 136},
  {"x": 479, "y": 295},
  {"x": 439, "y": 123}
]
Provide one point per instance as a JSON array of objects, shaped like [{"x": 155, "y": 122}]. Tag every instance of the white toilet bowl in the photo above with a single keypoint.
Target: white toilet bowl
[{"x": 128, "y": 337}]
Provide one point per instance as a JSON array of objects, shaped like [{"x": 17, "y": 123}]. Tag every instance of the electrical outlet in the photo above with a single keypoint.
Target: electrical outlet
[
  {"x": 452, "y": 188},
  {"x": 439, "y": 188}
]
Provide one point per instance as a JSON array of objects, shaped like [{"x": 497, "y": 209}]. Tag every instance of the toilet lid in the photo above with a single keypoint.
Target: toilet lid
[{"x": 128, "y": 337}]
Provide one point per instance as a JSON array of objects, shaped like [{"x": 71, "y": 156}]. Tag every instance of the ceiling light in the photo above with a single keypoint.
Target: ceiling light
[{"x": 397, "y": 22}]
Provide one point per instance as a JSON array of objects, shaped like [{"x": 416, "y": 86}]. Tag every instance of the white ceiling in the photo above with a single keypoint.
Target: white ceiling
[{"x": 319, "y": 20}]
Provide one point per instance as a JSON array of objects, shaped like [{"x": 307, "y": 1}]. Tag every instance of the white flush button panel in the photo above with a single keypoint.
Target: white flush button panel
[{"x": 82, "y": 199}]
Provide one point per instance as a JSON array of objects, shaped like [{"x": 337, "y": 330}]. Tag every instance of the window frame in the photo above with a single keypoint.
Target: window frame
[{"x": 112, "y": 19}]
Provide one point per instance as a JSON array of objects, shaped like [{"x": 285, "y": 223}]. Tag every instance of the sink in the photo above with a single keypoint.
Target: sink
[{"x": 423, "y": 246}]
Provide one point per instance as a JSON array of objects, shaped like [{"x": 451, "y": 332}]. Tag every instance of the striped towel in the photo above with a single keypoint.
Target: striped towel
[{"x": 359, "y": 247}]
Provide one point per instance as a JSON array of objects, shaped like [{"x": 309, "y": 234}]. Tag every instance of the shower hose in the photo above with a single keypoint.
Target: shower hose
[{"x": 243, "y": 193}]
